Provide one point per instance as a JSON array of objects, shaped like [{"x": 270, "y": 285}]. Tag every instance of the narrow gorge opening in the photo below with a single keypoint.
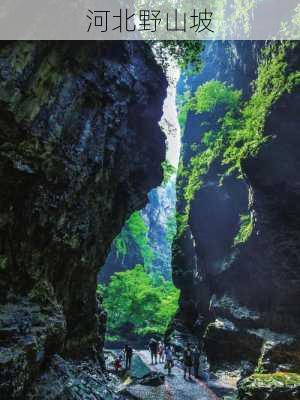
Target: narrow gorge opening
[{"x": 135, "y": 283}]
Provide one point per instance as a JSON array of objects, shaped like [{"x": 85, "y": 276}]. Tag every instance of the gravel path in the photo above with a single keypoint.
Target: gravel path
[{"x": 174, "y": 388}]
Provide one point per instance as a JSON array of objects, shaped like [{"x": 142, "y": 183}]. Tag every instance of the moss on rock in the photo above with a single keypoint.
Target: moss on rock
[{"x": 276, "y": 386}]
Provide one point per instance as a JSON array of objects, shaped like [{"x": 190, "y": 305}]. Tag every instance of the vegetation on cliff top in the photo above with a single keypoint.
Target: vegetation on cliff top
[{"x": 239, "y": 132}]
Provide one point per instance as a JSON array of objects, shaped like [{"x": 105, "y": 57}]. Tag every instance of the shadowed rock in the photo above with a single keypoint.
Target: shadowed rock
[
  {"x": 241, "y": 299},
  {"x": 80, "y": 148},
  {"x": 152, "y": 379}
]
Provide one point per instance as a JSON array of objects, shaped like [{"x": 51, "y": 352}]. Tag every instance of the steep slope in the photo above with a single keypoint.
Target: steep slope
[
  {"x": 236, "y": 260},
  {"x": 80, "y": 149}
]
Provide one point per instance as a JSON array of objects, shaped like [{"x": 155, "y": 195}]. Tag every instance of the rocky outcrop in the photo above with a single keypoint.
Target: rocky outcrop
[
  {"x": 271, "y": 386},
  {"x": 241, "y": 300},
  {"x": 66, "y": 379},
  {"x": 80, "y": 148},
  {"x": 152, "y": 379}
]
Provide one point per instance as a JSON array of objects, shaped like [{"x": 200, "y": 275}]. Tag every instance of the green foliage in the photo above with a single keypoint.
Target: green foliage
[
  {"x": 245, "y": 131},
  {"x": 171, "y": 228},
  {"x": 270, "y": 380},
  {"x": 199, "y": 166},
  {"x": 246, "y": 228},
  {"x": 183, "y": 106},
  {"x": 207, "y": 97},
  {"x": 169, "y": 171},
  {"x": 3, "y": 262},
  {"x": 232, "y": 15},
  {"x": 185, "y": 52},
  {"x": 188, "y": 55},
  {"x": 147, "y": 302},
  {"x": 121, "y": 246},
  {"x": 194, "y": 147},
  {"x": 213, "y": 93},
  {"x": 290, "y": 29},
  {"x": 135, "y": 230},
  {"x": 240, "y": 131}
]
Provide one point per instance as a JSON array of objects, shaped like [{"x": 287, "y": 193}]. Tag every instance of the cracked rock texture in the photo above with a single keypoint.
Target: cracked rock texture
[{"x": 80, "y": 148}]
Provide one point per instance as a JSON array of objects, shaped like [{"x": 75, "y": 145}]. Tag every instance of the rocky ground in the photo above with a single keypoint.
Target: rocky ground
[{"x": 173, "y": 387}]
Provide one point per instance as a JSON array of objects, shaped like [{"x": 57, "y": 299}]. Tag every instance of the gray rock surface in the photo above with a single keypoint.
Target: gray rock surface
[{"x": 80, "y": 148}]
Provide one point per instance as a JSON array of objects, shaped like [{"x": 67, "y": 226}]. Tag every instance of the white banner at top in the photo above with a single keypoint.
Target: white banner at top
[{"x": 150, "y": 19}]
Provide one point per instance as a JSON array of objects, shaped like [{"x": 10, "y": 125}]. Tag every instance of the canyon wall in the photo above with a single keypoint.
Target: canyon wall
[
  {"x": 240, "y": 297},
  {"x": 159, "y": 215},
  {"x": 159, "y": 222},
  {"x": 80, "y": 148}
]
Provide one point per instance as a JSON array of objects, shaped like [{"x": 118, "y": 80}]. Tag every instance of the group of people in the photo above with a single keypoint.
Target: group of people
[
  {"x": 164, "y": 353},
  {"x": 191, "y": 360}
]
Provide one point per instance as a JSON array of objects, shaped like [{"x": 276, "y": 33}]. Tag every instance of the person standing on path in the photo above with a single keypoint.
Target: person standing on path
[
  {"x": 161, "y": 352},
  {"x": 128, "y": 356},
  {"x": 169, "y": 358},
  {"x": 196, "y": 361},
  {"x": 153, "y": 347},
  {"x": 188, "y": 361}
]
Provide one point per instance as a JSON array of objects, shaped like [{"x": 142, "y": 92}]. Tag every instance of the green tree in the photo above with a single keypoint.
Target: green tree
[
  {"x": 213, "y": 93},
  {"x": 145, "y": 302}
]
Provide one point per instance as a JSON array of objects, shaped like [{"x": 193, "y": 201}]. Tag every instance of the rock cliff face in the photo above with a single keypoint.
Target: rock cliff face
[
  {"x": 241, "y": 300},
  {"x": 80, "y": 147},
  {"x": 158, "y": 215}
]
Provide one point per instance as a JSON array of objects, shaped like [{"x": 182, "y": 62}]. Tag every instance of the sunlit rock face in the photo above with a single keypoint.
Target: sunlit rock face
[
  {"x": 241, "y": 301},
  {"x": 80, "y": 149}
]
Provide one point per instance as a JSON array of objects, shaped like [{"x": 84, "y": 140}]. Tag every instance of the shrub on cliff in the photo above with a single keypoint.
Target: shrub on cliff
[
  {"x": 239, "y": 131},
  {"x": 135, "y": 231}
]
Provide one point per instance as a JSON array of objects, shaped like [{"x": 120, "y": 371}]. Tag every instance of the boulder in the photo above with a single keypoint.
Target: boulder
[
  {"x": 276, "y": 386},
  {"x": 152, "y": 379}
]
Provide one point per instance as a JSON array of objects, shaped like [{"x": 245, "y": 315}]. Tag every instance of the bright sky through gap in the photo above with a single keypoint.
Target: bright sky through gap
[{"x": 169, "y": 122}]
